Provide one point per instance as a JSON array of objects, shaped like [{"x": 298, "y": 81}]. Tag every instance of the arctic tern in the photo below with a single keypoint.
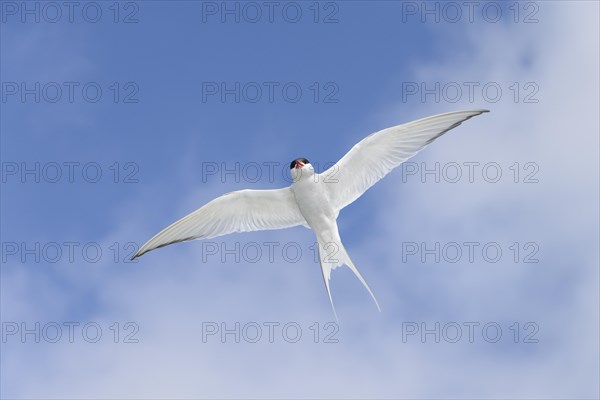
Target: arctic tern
[{"x": 313, "y": 200}]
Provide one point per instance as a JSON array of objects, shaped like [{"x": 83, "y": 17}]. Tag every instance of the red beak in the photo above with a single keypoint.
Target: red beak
[{"x": 299, "y": 165}]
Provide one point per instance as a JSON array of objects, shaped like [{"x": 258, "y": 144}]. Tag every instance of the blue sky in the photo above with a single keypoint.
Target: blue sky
[{"x": 355, "y": 68}]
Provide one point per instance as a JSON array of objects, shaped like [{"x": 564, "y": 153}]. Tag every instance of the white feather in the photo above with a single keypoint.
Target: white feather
[
  {"x": 241, "y": 211},
  {"x": 376, "y": 155}
]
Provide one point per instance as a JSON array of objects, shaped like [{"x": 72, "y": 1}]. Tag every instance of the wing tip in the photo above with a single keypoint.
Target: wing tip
[
  {"x": 138, "y": 254},
  {"x": 149, "y": 247},
  {"x": 473, "y": 113}
]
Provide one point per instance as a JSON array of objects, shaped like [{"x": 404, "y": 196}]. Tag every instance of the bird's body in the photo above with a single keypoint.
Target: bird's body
[
  {"x": 312, "y": 195},
  {"x": 313, "y": 200}
]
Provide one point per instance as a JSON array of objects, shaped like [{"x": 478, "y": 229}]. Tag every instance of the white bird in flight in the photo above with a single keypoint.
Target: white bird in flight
[{"x": 313, "y": 200}]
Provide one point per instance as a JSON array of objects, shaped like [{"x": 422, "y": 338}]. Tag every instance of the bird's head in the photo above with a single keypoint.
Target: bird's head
[{"x": 301, "y": 168}]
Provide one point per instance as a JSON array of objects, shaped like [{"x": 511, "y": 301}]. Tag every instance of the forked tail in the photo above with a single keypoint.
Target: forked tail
[{"x": 332, "y": 254}]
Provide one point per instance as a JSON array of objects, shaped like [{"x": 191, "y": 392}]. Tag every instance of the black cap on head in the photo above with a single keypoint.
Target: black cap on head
[{"x": 302, "y": 160}]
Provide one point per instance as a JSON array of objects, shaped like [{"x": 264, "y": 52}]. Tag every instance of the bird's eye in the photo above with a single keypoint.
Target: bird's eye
[{"x": 305, "y": 161}]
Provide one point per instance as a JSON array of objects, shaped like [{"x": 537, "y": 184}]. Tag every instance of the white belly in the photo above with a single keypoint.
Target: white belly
[{"x": 314, "y": 204}]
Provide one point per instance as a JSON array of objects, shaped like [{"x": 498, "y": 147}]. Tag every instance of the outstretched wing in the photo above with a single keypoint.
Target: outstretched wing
[
  {"x": 379, "y": 153},
  {"x": 241, "y": 211}
]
